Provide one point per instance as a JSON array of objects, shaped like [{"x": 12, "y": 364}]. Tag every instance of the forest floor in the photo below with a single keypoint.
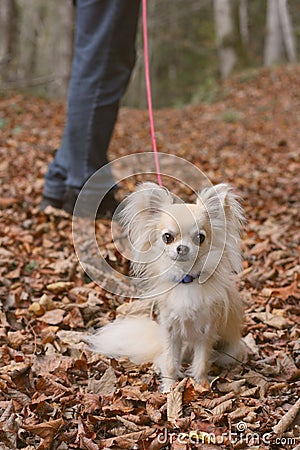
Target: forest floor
[{"x": 56, "y": 394}]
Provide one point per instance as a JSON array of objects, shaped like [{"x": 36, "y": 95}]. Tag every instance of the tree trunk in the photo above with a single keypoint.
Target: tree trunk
[
  {"x": 280, "y": 40},
  {"x": 243, "y": 18},
  {"x": 61, "y": 24},
  {"x": 7, "y": 35},
  {"x": 225, "y": 36},
  {"x": 30, "y": 22},
  {"x": 287, "y": 31}
]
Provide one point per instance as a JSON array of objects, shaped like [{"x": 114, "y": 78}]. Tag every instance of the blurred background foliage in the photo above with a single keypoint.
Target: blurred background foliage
[{"x": 194, "y": 44}]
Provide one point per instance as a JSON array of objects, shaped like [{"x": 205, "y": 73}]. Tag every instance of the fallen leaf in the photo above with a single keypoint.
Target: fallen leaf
[
  {"x": 106, "y": 385},
  {"x": 231, "y": 386},
  {"x": 72, "y": 338},
  {"x": 7, "y": 202},
  {"x": 274, "y": 321},
  {"x": 174, "y": 406},
  {"x": 46, "y": 431},
  {"x": 91, "y": 403},
  {"x": 16, "y": 338},
  {"x": 287, "y": 291},
  {"x": 211, "y": 404},
  {"x": 251, "y": 344},
  {"x": 60, "y": 286},
  {"x": 37, "y": 309},
  {"x": 175, "y": 402},
  {"x": 53, "y": 317},
  {"x": 239, "y": 413},
  {"x": 127, "y": 440},
  {"x": 222, "y": 407},
  {"x": 153, "y": 413},
  {"x": 287, "y": 419}
]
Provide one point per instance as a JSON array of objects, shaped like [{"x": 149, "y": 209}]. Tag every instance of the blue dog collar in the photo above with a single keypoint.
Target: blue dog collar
[{"x": 187, "y": 279}]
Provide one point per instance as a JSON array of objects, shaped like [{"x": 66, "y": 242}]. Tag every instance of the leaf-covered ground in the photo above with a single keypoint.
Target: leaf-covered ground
[{"x": 54, "y": 393}]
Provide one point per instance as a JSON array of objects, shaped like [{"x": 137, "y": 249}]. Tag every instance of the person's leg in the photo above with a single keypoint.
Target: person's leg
[{"x": 103, "y": 59}]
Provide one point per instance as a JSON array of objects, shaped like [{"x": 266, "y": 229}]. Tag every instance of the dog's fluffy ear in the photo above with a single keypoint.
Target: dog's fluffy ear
[
  {"x": 139, "y": 217},
  {"x": 221, "y": 200},
  {"x": 148, "y": 200},
  {"x": 227, "y": 219}
]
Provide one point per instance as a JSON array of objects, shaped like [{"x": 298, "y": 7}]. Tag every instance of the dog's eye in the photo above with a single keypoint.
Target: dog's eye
[
  {"x": 199, "y": 238},
  {"x": 167, "y": 238}
]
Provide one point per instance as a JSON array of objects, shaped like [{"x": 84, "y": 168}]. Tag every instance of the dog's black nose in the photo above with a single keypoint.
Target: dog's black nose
[{"x": 182, "y": 250}]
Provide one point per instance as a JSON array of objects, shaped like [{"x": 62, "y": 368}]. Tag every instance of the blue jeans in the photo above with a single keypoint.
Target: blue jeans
[{"x": 104, "y": 57}]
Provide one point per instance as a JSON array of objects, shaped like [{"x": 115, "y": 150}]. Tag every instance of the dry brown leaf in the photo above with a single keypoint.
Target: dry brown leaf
[
  {"x": 259, "y": 380},
  {"x": 287, "y": 419},
  {"x": 14, "y": 274},
  {"x": 5, "y": 256},
  {"x": 91, "y": 403},
  {"x": 53, "y": 317},
  {"x": 240, "y": 413},
  {"x": 15, "y": 368},
  {"x": 81, "y": 290},
  {"x": 230, "y": 386},
  {"x": 222, "y": 407},
  {"x": 274, "y": 321},
  {"x": 130, "y": 426},
  {"x": 37, "y": 309},
  {"x": 260, "y": 247},
  {"x": 16, "y": 338},
  {"x": 74, "y": 318},
  {"x": 211, "y": 404},
  {"x": 46, "y": 430},
  {"x": 106, "y": 386},
  {"x": 60, "y": 286},
  {"x": 189, "y": 393},
  {"x": 290, "y": 290},
  {"x": 174, "y": 406},
  {"x": 175, "y": 402},
  {"x": 251, "y": 344},
  {"x": 62, "y": 266},
  {"x": 46, "y": 302},
  {"x": 45, "y": 364},
  {"x": 127, "y": 440},
  {"x": 7, "y": 413},
  {"x": 6, "y": 202},
  {"x": 159, "y": 442},
  {"x": 201, "y": 389},
  {"x": 133, "y": 393},
  {"x": 76, "y": 339},
  {"x": 153, "y": 413},
  {"x": 249, "y": 392},
  {"x": 288, "y": 366},
  {"x": 8, "y": 427},
  {"x": 87, "y": 444},
  {"x": 19, "y": 397}
]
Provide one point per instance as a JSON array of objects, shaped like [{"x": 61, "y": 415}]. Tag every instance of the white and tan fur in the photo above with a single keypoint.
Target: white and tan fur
[{"x": 199, "y": 321}]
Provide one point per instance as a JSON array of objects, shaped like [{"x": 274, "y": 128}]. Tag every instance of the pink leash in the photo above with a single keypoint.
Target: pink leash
[{"x": 148, "y": 89}]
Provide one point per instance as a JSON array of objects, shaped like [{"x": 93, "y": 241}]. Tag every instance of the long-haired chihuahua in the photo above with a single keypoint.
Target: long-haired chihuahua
[{"x": 186, "y": 256}]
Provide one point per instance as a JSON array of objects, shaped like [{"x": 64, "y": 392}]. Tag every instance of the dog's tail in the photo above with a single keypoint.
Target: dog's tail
[{"x": 136, "y": 338}]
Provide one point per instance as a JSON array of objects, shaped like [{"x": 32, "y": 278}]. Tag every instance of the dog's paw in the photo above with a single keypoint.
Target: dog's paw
[
  {"x": 203, "y": 382},
  {"x": 199, "y": 377},
  {"x": 166, "y": 384}
]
